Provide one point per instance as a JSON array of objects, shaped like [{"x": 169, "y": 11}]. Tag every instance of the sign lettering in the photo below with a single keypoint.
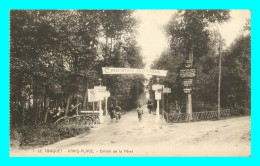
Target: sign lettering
[
  {"x": 109, "y": 70},
  {"x": 100, "y": 88},
  {"x": 167, "y": 90},
  {"x": 187, "y": 73},
  {"x": 157, "y": 87},
  {"x": 187, "y": 82}
]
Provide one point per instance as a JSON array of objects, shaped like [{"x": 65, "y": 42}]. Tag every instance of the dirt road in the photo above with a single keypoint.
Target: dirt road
[{"x": 129, "y": 137}]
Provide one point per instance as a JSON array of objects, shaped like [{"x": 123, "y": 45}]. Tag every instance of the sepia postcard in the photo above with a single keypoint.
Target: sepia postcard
[{"x": 137, "y": 83}]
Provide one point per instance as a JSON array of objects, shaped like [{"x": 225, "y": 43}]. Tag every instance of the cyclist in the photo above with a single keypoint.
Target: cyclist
[{"x": 118, "y": 112}]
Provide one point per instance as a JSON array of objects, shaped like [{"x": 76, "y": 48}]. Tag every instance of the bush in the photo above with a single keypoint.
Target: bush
[
  {"x": 240, "y": 110},
  {"x": 44, "y": 134},
  {"x": 15, "y": 138}
]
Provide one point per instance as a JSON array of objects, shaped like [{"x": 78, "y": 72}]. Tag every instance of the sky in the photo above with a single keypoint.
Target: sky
[{"x": 152, "y": 38}]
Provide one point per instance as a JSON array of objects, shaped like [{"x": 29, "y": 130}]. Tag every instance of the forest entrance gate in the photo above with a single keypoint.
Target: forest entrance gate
[{"x": 158, "y": 91}]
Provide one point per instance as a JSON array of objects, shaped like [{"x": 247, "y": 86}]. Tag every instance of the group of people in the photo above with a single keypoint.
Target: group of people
[
  {"x": 114, "y": 112},
  {"x": 140, "y": 110}
]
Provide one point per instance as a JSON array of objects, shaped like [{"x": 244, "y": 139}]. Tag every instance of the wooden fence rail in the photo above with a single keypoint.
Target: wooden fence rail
[
  {"x": 174, "y": 117},
  {"x": 196, "y": 116},
  {"x": 87, "y": 120}
]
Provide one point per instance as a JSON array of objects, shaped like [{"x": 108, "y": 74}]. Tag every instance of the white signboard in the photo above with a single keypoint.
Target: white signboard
[
  {"x": 187, "y": 90},
  {"x": 157, "y": 87},
  {"x": 100, "y": 88},
  {"x": 167, "y": 90},
  {"x": 187, "y": 73},
  {"x": 106, "y": 94},
  {"x": 109, "y": 70},
  {"x": 187, "y": 82},
  {"x": 97, "y": 94},
  {"x": 158, "y": 95},
  {"x": 92, "y": 95},
  {"x": 100, "y": 96}
]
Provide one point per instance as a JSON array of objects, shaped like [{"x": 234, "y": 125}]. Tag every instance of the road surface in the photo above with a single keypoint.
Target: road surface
[{"x": 129, "y": 137}]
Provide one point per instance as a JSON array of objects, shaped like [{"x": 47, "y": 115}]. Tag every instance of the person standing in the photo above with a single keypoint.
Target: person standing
[
  {"x": 111, "y": 111},
  {"x": 140, "y": 112},
  {"x": 149, "y": 106}
]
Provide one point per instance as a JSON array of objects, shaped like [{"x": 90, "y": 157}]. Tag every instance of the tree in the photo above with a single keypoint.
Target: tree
[
  {"x": 191, "y": 37},
  {"x": 237, "y": 78},
  {"x": 189, "y": 29},
  {"x": 56, "y": 55}
]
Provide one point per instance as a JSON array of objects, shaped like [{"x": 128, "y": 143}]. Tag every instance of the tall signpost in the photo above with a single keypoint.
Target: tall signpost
[
  {"x": 107, "y": 95},
  {"x": 92, "y": 97},
  {"x": 158, "y": 89},
  {"x": 219, "y": 81},
  {"x": 162, "y": 102},
  {"x": 188, "y": 73},
  {"x": 100, "y": 93},
  {"x": 167, "y": 90}
]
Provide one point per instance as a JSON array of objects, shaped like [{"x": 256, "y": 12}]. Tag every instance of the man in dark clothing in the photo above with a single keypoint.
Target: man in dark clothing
[
  {"x": 149, "y": 106},
  {"x": 111, "y": 111}
]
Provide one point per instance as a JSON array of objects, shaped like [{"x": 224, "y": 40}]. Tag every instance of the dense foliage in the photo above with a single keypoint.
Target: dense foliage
[
  {"x": 56, "y": 55},
  {"x": 190, "y": 33},
  {"x": 44, "y": 134}
]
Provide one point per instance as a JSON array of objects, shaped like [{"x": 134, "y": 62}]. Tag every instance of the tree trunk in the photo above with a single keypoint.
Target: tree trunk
[
  {"x": 46, "y": 106},
  {"x": 68, "y": 105},
  {"x": 137, "y": 95},
  {"x": 29, "y": 99},
  {"x": 85, "y": 102},
  {"x": 106, "y": 48},
  {"x": 23, "y": 116},
  {"x": 111, "y": 48},
  {"x": 40, "y": 109},
  {"x": 35, "y": 105},
  {"x": 219, "y": 82}
]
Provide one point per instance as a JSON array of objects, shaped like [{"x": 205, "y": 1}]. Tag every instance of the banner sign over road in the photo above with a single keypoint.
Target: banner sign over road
[{"x": 109, "y": 70}]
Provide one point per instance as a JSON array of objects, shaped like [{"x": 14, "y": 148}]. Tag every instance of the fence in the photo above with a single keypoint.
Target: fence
[
  {"x": 83, "y": 119},
  {"x": 174, "y": 117},
  {"x": 196, "y": 116}
]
